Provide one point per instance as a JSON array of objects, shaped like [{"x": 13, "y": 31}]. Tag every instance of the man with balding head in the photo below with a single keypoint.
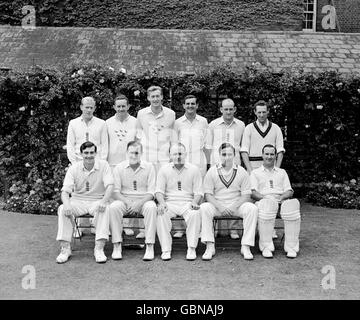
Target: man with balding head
[
  {"x": 226, "y": 129},
  {"x": 87, "y": 127}
]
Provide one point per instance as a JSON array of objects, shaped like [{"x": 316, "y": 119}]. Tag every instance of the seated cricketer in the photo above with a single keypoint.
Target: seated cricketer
[
  {"x": 178, "y": 192},
  {"x": 271, "y": 189},
  {"x": 90, "y": 184},
  {"x": 133, "y": 193},
  {"x": 227, "y": 192}
]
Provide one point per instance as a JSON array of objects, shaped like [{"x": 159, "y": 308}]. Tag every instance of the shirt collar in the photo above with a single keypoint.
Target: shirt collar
[
  {"x": 91, "y": 120},
  {"x": 158, "y": 115},
  {"x": 95, "y": 167},
  {"x": 219, "y": 166},
  {"x": 184, "y": 118},
  {"x": 126, "y": 119},
  {"x": 262, "y": 126},
  {"x": 223, "y": 121},
  {"x": 128, "y": 164},
  {"x": 185, "y": 165},
  {"x": 273, "y": 169}
]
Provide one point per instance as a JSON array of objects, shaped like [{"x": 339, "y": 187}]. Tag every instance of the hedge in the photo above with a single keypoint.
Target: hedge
[{"x": 319, "y": 114}]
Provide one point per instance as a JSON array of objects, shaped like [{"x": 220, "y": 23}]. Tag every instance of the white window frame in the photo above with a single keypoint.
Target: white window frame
[{"x": 313, "y": 12}]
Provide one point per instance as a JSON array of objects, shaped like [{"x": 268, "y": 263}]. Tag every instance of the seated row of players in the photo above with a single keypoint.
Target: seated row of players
[
  {"x": 155, "y": 127},
  {"x": 179, "y": 191}
]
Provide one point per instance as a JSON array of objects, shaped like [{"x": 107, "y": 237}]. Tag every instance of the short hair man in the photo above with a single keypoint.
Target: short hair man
[
  {"x": 155, "y": 124},
  {"x": 191, "y": 130},
  {"x": 90, "y": 184},
  {"x": 227, "y": 192},
  {"x": 121, "y": 129},
  {"x": 228, "y": 129},
  {"x": 271, "y": 188},
  {"x": 259, "y": 133},
  {"x": 87, "y": 127},
  {"x": 133, "y": 193},
  {"x": 178, "y": 192}
]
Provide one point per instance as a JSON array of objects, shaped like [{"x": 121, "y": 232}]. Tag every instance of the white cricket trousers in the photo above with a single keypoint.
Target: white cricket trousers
[
  {"x": 80, "y": 208},
  {"x": 117, "y": 211},
  {"x": 247, "y": 211},
  {"x": 192, "y": 221},
  {"x": 290, "y": 213}
]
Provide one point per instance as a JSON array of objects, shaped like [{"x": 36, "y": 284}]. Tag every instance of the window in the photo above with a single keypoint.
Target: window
[{"x": 309, "y": 22}]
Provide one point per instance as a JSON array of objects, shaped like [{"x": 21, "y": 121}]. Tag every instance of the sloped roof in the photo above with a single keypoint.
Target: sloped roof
[{"x": 178, "y": 50}]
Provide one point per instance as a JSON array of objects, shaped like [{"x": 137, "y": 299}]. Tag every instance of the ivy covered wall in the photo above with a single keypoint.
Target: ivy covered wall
[{"x": 162, "y": 14}]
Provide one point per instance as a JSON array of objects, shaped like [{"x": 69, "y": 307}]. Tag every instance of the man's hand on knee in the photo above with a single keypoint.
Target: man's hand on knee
[
  {"x": 162, "y": 208},
  {"x": 194, "y": 206},
  {"x": 68, "y": 210},
  {"x": 101, "y": 206}
]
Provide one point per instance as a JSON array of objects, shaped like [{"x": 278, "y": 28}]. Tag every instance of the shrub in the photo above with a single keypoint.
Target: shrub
[
  {"x": 318, "y": 113},
  {"x": 335, "y": 195}
]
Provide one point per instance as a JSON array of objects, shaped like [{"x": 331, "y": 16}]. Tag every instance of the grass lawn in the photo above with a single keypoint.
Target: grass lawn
[{"x": 328, "y": 237}]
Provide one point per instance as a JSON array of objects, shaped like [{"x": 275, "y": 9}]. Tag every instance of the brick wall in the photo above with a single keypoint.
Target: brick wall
[
  {"x": 348, "y": 15},
  {"x": 138, "y": 50}
]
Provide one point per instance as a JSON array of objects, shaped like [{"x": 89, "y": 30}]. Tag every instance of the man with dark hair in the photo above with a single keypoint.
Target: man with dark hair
[
  {"x": 227, "y": 192},
  {"x": 178, "y": 192},
  {"x": 121, "y": 129},
  {"x": 228, "y": 129},
  {"x": 134, "y": 193},
  {"x": 155, "y": 124},
  {"x": 256, "y": 135},
  {"x": 271, "y": 188},
  {"x": 191, "y": 130},
  {"x": 259, "y": 133},
  {"x": 90, "y": 184}
]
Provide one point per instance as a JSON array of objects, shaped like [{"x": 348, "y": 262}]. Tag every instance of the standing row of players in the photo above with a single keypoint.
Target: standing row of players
[{"x": 156, "y": 127}]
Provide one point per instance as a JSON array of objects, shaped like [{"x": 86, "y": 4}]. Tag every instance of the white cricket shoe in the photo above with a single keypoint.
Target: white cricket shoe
[
  {"x": 166, "y": 255},
  {"x": 117, "y": 252},
  {"x": 291, "y": 253},
  {"x": 245, "y": 251},
  {"x": 149, "y": 253},
  {"x": 100, "y": 256},
  {"x": 191, "y": 254},
  {"x": 64, "y": 255},
  {"x": 178, "y": 234},
  {"x": 267, "y": 253}
]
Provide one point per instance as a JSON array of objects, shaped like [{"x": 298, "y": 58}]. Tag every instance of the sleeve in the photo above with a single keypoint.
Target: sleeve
[
  {"x": 245, "y": 144},
  {"x": 242, "y": 129},
  {"x": 70, "y": 143},
  {"x": 175, "y": 133},
  {"x": 151, "y": 182},
  {"x": 139, "y": 128},
  {"x": 286, "y": 182},
  {"x": 69, "y": 181},
  {"x": 161, "y": 182},
  {"x": 117, "y": 179},
  {"x": 245, "y": 187},
  {"x": 279, "y": 141},
  {"x": 104, "y": 142},
  {"x": 209, "y": 137},
  {"x": 107, "y": 176},
  {"x": 197, "y": 186},
  {"x": 209, "y": 185},
  {"x": 254, "y": 182}
]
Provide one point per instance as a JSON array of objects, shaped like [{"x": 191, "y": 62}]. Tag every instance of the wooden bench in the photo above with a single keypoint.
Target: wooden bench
[{"x": 215, "y": 222}]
